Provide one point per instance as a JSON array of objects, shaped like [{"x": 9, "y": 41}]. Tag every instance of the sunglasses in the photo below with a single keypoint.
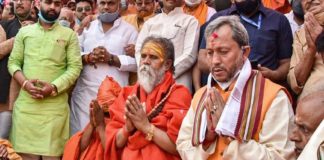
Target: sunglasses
[{"x": 81, "y": 9}]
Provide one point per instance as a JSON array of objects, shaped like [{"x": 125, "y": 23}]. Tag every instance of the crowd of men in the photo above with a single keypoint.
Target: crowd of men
[{"x": 169, "y": 79}]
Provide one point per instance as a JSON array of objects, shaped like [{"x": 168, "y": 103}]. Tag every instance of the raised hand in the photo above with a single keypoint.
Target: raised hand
[
  {"x": 136, "y": 113},
  {"x": 312, "y": 30},
  {"x": 97, "y": 114},
  {"x": 214, "y": 108}
]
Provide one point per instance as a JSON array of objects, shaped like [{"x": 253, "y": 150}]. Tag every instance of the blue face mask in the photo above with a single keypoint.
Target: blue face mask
[
  {"x": 43, "y": 19},
  {"x": 108, "y": 17}
]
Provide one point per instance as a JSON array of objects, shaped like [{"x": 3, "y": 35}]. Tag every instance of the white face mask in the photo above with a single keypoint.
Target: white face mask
[
  {"x": 65, "y": 23},
  {"x": 192, "y": 2}
]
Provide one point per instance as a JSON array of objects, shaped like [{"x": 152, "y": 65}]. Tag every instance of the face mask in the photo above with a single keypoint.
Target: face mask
[
  {"x": 108, "y": 17},
  {"x": 123, "y": 4},
  {"x": 320, "y": 18},
  {"x": 192, "y": 2},
  {"x": 247, "y": 6},
  {"x": 40, "y": 16},
  {"x": 297, "y": 9},
  {"x": 65, "y": 23}
]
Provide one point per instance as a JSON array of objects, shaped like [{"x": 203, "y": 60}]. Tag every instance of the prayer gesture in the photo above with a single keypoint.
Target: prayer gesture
[
  {"x": 312, "y": 30},
  {"x": 96, "y": 114},
  {"x": 136, "y": 113},
  {"x": 214, "y": 105}
]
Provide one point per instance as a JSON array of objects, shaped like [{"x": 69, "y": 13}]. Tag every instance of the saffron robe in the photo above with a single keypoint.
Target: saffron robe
[
  {"x": 107, "y": 93},
  {"x": 168, "y": 120}
]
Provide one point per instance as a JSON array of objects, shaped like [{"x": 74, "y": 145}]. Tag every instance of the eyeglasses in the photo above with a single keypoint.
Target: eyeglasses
[{"x": 85, "y": 9}]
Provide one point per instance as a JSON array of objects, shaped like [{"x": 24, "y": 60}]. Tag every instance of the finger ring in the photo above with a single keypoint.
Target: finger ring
[{"x": 214, "y": 107}]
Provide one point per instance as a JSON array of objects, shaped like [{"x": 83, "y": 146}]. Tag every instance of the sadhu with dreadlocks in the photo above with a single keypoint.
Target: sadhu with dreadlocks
[{"x": 145, "y": 118}]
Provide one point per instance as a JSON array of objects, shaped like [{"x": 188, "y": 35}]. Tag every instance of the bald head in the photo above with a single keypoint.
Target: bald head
[
  {"x": 312, "y": 105},
  {"x": 67, "y": 13},
  {"x": 314, "y": 102},
  {"x": 309, "y": 114}
]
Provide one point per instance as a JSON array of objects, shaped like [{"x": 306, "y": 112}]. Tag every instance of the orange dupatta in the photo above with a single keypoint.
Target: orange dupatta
[{"x": 200, "y": 12}]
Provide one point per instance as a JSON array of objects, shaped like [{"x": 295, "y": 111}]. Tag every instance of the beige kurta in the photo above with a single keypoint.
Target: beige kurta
[
  {"x": 183, "y": 31},
  {"x": 315, "y": 79},
  {"x": 314, "y": 145},
  {"x": 273, "y": 142}
]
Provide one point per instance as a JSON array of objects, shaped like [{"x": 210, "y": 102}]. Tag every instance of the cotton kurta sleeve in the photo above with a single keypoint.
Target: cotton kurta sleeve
[
  {"x": 73, "y": 68},
  {"x": 184, "y": 144},
  {"x": 16, "y": 58},
  {"x": 128, "y": 63},
  {"x": 274, "y": 140},
  {"x": 190, "y": 49},
  {"x": 295, "y": 59}
]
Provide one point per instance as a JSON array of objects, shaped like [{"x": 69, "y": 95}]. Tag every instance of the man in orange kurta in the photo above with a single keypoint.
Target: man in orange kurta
[
  {"x": 239, "y": 114},
  {"x": 145, "y": 118}
]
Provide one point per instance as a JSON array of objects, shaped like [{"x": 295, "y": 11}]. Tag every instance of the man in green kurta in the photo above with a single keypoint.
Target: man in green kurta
[{"x": 45, "y": 61}]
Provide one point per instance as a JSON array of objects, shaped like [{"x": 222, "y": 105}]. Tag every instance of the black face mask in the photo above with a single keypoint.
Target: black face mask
[
  {"x": 297, "y": 9},
  {"x": 247, "y": 6}
]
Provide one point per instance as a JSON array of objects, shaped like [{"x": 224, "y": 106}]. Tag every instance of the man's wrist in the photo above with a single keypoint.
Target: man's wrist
[
  {"x": 111, "y": 60},
  {"x": 101, "y": 126},
  {"x": 23, "y": 86},
  {"x": 54, "y": 90}
]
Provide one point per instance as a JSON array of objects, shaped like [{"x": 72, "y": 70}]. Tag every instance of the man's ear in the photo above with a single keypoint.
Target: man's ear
[
  {"x": 246, "y": 51},
  {"x": 168, "y": 64}
]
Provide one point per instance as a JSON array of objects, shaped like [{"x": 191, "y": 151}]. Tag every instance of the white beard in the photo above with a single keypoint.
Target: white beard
[{"x": 148, "y": 78}]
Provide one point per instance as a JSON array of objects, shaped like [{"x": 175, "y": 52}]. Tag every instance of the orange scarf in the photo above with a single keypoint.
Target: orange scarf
[{"x": 200, "y": 12}]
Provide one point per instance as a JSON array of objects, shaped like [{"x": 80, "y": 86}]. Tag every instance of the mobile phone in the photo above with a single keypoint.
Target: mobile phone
[{"x": 254, "y": 64}]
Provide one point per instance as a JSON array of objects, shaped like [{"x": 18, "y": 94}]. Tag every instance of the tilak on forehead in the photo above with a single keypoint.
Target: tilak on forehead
[
  {"x": 154, "y": 49},
  {"x": 212, "y": 38}
]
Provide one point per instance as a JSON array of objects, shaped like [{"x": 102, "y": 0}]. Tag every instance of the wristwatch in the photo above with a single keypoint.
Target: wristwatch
[
  {"x": 150, "y": 134},
  {"x": 54, "y": 91}
]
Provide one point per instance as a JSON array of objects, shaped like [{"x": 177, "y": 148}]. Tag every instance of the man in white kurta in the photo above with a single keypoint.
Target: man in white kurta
[
  {"x": 182, "y": 30},
  {"x": 114, "y": 40}
]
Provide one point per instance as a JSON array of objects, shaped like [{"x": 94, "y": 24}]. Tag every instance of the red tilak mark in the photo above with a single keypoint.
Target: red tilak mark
[{"x": 214, "y": 35}]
